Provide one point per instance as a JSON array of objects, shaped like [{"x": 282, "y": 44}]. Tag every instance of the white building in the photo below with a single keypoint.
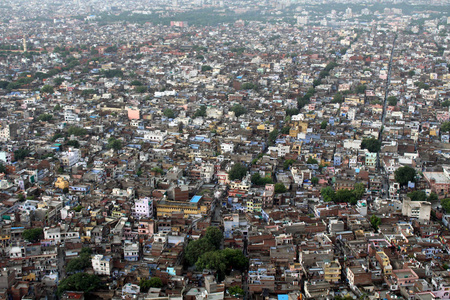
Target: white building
[
  {"x": 281, "y": 150},
  {"x": 101, "y": 264},
  {"x": 155, "y": 136},
  {"x": 227, "y": 147},
  {"x": 143, "y": 208},
  {"x": 207, "y": 172},
  {"x": 420, "y": 210},
  {"x": 71, "y": 157},
  {"x": 131, "y": 251}
]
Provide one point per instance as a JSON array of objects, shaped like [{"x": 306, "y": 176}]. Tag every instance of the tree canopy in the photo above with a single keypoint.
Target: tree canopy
[
  {"x": 392, "y": 100},
  {"x": 20, "y": 154},
  {"x": 200, "y": 112},
  {"x": 77, "y": 131},
  {"x": 404, "y": 174},
  {"x": 214, "y": 236},
  {"x": 238, "y": 110},
  {"x": 81, "y": 262},
  {"x": 258, "y": 180},
  {"x": 238, "y": 171},
  {"x": 82, "y": 282},
  {"x": 33, "y": 235},
  {"x": 417, "y": 195},
  {"x": 146, "y": 284},
  {"x": 223, "y": 261},
  {"x": 47, "y": 89},
  {"x": 372, "y": 144},
  {"x": 114, "y": 143},
  {"x": 445, "y": 203},
  {"x": 210, "y": 242},
  {"x": 445, "y": 127},
  {"x": 375, "y": 222},
  {"x": 280, "y": 188},
  {"x": 169, "y": 113}
]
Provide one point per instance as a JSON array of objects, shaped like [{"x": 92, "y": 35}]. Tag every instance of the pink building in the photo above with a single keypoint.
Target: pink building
[
  {"x": 146, "y": 227},
  {"x": 133, "y": 114},
  {"x": 404, "y": 277}
]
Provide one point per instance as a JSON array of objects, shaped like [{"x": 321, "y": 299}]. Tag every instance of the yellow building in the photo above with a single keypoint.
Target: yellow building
[
  {"x": 61, "y": 183},
  {"x": 384, "y": 261},
  {"x": 332, "y": 271},
  {"x": 166, "y": 208}
]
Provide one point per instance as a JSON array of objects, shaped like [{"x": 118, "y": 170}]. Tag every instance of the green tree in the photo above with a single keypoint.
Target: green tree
[
  {"x": 249, "y": 86},
  {"x": 345, "y": 195},
  {"x": 328, "y": 194},
  {"x": 238, "y": 171},
  {"x": 157, "y": 170},
  {"x": 77, "y": 131},
  {"x": 235, "y": 291},
  {"x": 285, "y": 130},
  {"x": 73, "y": 143},
  {"x": 280, "y": 188},
  {"x": 57, "y": 107},
  {"x": 20, "y": 154},
  {"x": 47, "y": 89},
  {"x": 44, "y": 117},
  {"x": 314, "y": 181},
  {"x": 214, "y": 236},
  {"x": 2, "y": 168},
  {"x": 206, "y": 68},
  {"x": 359, "y": 190},
  {"x": 432, "y": 197},
  {"x": 212, "y": 260},
  {"x": 33, "y": 235},
  {"x": 404, "y": 174},
  {"x": 273, "y": 136},
  {"x": 324, "y": 124},
  {"x": 287, "y": 163},
  {"x": 140, "y": 89},
  {"x": 422, "y": 85},
  {"x": 146, "y": 284},
  {"x": 338, "y": 98},
  {"x": 360, "y": 89},
  {"x": 312, "y": 161},
  {"x": 136, "y": 83},
  {"x": 195, "y": 249},
  {"x": 235, "y": 259},
  {"x": 417, "y": 195},
  {"x": 114, "y": 143},
  {"x": 372, "y": 144},
  {"x": 200, "y": 112},
  {"x": 392, "y": 100},
  {"x": 169, "y": 113},
  {"x": 258, "y": 180},
  {"x": 411, "y": 73},
  {"x": 445, "y": 127},
  {"x": 81, "y": 262},
  {"x": 375, "y": 222},
  {"x": 58, "y": 81},
  {"x": 238, "y": 110},
  {"x": 82, "y": 282},
  {"x": 291, "y": 111},
  {"x": 446, "y": 103},
  {"x": 445, "y": 203}
]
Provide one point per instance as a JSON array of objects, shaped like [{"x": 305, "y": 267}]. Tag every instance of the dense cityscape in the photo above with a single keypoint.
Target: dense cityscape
[{"x": 214, "y": 149}]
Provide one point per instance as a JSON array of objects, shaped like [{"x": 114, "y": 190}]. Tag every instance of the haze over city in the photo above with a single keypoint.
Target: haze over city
[{"x": 279, "y": 150}]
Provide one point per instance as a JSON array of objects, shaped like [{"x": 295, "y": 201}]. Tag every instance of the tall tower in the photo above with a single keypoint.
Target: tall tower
[{"x": 24, "y": 43}]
